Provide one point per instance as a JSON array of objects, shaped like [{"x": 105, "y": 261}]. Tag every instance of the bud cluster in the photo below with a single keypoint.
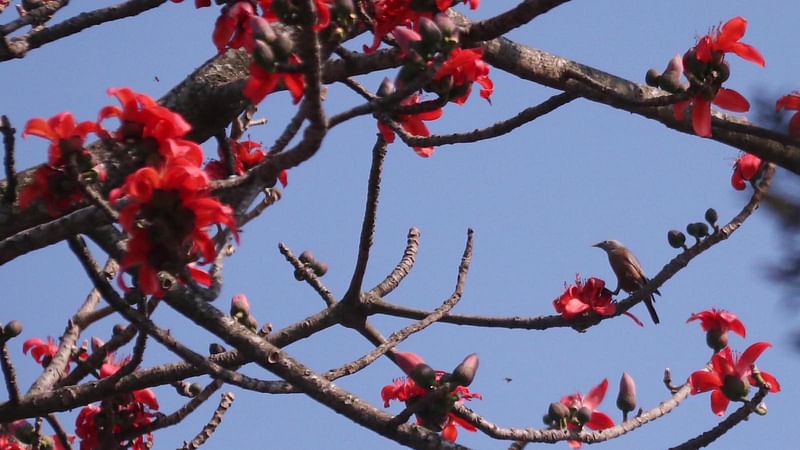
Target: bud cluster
[
  {"x": 698, "y": 230},
  {"x": 269, "y": 48},
  {"x": 309, "y": 261}
]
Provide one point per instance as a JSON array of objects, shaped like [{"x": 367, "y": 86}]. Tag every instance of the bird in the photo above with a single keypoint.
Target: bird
[{"x": 630, "y": 274}]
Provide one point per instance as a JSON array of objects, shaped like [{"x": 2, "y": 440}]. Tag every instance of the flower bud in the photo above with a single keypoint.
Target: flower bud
[
  {"x": 430, "y": 32},
  {"x": 299, "y": 275},
  {"x": 263, "y": 55},
  {"x": 215, "y": 348},
  {"x": 692, "y": 229},
  {"x": 195, "y": 389},
  {"x": 722, "y": 72},
  {"x": 118, "y": 329},
  {"x": 262, "y": 30},
  {"x": 652, "y": 78},
  {"x": 464, "y": 373},
  {"x": 702, "y": 229},
  {"x": 283, "y": 47},
  {"x": 711, "y": 216},
  {"x": 386, "y": 88},
  {"x": 407, "y": 361},
  {"x": 306, "y": 257},
  {"x": 626, "y": 399},
  {"x": 676, "y": 238},
  {"x": 557, "y": 411},
  {"x": 446, "y": 25},
  {"x": 405, "y": 38},
  {"x": 717, "y": 339},
  {"x": 320, "y": 268},
  {"x": 583, "y": 415},
  {"x": 344, "y": 8},
  {"x": 240, "y": 306},
  {"x": 423, "y": 375},
  {"x": 96, "y": 343},
  {"x": 12, "y": 329},
  {"x": 671, "y": 78}
]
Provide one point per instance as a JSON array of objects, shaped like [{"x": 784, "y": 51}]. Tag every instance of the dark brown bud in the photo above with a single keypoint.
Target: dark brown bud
[
  {"x": 299, "y": 275},
  {"x": 676, "y": 238},
  {"x": 652, "y": 78},
  {"x": 626, "y": 399},
  {"x": 118, "y": 329},
  {"x": 283, "y": 47},
  {"x": 386, "y": 88},
  {"x": 430, "y": 32},
  {"x": 717, "y": 339},
  {"x": 702, "y": 229},
  {"x": 711, "y": 216},
  {"x": 262, "y": 30},
  {"x": 722, "y": 72},
  {"x": 263, "y": 55},
  {"x": 12, "y": 329},
  {"x": 215, "y": 348},
  {"x": 307, "y": 257},
  {"x": 557, "y": 411},
  {"x": 692, "y": 229},
  {"x": 423, "y": 375},
  {"x": 320, "y": 268},
  {"x": 195, "y": 389},
  {"x": 446, "y": 24},
  {"x": 735, "y": 388},
  {"x": 464, "y": 373},
  {"x": 583, "y": 415}
]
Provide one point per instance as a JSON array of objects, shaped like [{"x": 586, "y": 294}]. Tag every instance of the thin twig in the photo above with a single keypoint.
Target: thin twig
[
  {"x": 308, "y": 275},
  {"x": 9, "y": 373},
  {"x": 55, "y": 424},
  {"x": 225, "y": 402},
  {"x": 402, "y": 269},
  {"x": 368, "y": 223},
  {"x": 228, "y": 159},
  {"x": 10, "y": 194}
]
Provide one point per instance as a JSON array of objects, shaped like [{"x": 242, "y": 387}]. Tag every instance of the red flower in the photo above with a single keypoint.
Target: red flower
[
  {"x": 597, "y": 419},
  {"x": 232, "y": 28},
  {"x": 141, "y": 118},
  {"x": 719, "y": 320},
  {"x": 434, "y": 417},
  {"x": 323, "y": 11},
  {"x": 246, "y": 155},
  {"x": 791, "y": 101},
  {"x": 413, "y": 124},
  {"x": 726, "y": 40},
  {"x": 41, "y": 351},
  {"x": 466, "y": 66},
  {"x": 729, "y": 377},
  {"x": 583, "y": 297},
  {"x": 55, "y": 187},
  {"x": 168, "y": 220},
  {"x": 701, "y": 111},
  {"x": 263, "y": 81},
  {"x": 64, "y": 134},
  {"x": 744, "y": 169}
]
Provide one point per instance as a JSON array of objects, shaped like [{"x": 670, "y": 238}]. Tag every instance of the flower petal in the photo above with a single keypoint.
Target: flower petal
[
  {"x": 596, "y": 395},
  {"x": 731, "y": 100},
  {"x": 750, "y": 356},
  {"x": 701, "y": 117},
  {"x": 719, "y": 402}
]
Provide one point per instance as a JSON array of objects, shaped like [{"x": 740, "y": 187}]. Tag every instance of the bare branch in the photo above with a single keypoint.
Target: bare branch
[
  {"x": 10, "y": 194},
  {"x": 225, "y": 402},
  {"x": 403, "y": 267}
]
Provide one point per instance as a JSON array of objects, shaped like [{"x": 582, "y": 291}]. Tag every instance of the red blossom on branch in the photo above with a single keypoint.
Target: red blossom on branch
[
  {"x": 730, "y": 375},
  {"x": 437, "y": 417},
  {"x": 701, "y": 108},
  {"x": 263, "y": 81},
  {"x": 41, "y": 351},
  {"x": 168, "y": 219},
  {"x": 466, "y": 66},
  {"x": 413, "y": 123},
  {"x": 583, "y": 297},
  {"x": 719, "y": 320},
  {"x": 744, "y": 169},
  {"x": 791, "y": 101},
  {"x": 725, "y": 39},
  {"x": 596, "y": 420},
  {"x": 246, "y": 155},
  {"x": 233, "y": 26}
]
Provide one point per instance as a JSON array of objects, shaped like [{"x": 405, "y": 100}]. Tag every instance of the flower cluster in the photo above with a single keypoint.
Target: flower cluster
[
  {"x": 791, "y": 101},
  {"x": 745, "y": 168},
  {"x": 246, "y": 154},
  {"x": 58, "y": 183},
  {"x": 575, "y": 411},
  {"x": 412, "y": 123},
  {"x": 119, "y": 413},
  {"x": 730, "y": 374},
  {"x": 705, "y": 67},
  {"x": 422, "y": 379}
]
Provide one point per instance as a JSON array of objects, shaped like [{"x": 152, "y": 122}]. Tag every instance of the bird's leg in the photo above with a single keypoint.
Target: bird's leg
[{"x": 616, "y": 291}]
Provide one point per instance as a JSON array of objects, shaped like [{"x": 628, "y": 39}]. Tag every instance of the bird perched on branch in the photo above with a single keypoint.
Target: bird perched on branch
[{"x": 630, "y": 274}]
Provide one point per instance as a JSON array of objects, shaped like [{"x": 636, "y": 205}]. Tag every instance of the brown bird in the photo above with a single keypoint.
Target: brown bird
[{"x": 630, "y": 275}]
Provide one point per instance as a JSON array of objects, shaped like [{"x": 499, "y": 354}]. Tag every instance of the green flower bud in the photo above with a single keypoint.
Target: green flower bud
[{"x": 735, "y": 388}]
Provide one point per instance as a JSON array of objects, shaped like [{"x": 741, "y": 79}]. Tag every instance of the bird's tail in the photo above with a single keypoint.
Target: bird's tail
[{"x": 651, "y": 309}]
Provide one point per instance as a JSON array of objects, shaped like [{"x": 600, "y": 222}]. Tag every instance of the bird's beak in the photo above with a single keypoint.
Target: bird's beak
[{"x": 598, "y": 245}]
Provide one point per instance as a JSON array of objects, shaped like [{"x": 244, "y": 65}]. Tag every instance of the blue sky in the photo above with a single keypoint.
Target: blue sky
[{"x": 536, "y": 198}]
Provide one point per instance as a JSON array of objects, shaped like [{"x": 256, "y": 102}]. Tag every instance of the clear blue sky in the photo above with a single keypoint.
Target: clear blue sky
[{"x": 537, "y": 199}]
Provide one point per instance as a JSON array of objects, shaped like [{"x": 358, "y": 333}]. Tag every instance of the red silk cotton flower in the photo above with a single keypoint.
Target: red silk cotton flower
[
  {"x": 246, "y": 155},
  {"x": 412, "y": 123},
  {"x": 701, "y": 108},
  {"x": 42, "y": 352},
  {"x": 731, "y": 376},
  {"x": 263, "y": 81},
  {"x": 583, "y": 297},
  {"x": 744, "y": 169},
  {"x": 168, "y": 220},
  {"x": 719, "y": 320},
  {"x": 597, "y": 420},
  {"x": 726, "y": 40},
  {"x": 465, "y": 66},
  {"x": 791, "y": 101}
]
